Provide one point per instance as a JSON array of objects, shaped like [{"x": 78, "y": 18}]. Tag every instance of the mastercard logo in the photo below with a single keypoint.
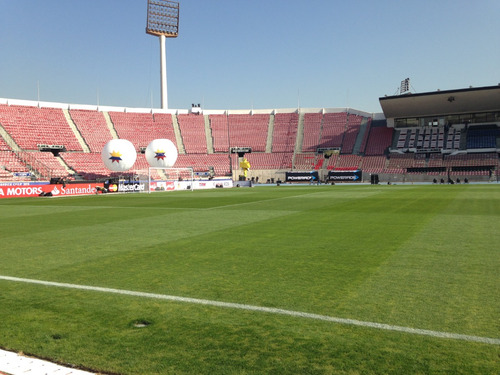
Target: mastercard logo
[{"x": 113, "y": 188}]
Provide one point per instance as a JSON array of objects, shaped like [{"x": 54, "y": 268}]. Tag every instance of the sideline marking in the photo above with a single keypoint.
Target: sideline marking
[{"x": 271, "y": 310}]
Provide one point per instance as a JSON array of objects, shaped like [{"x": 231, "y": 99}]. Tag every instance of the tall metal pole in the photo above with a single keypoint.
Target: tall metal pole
[
  {"x": 163, "y": 21},
  {"x": 163, "y": 73}
]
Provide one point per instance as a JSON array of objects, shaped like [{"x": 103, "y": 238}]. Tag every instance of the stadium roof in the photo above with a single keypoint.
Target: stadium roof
[{"x": 471, "y": 100}]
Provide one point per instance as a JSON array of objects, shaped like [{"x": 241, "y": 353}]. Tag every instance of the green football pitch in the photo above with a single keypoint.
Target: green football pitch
[{"x": 399, "y": 279}]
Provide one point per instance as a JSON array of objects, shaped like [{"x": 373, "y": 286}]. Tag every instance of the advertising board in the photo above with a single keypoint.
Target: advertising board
[
  {"x": 312, "y": 176},
  {"x": 345, "y": 176},
  {"x": 22, "y": 191}
]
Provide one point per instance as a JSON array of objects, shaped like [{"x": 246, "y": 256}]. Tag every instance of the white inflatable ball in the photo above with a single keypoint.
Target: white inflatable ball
[
  {"x": 161, "y": 153},
  {"x": 119, "y": 155}
]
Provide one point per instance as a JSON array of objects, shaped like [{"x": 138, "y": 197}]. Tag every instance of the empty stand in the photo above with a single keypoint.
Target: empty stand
[
  {"x": 312, "y": 131},
  {"x": 285, "y": 132},
  {"x": 193, "y": 134},
  {"x": 88, "y": 165},
  {"x": 93, "y": 128},
  {"x": 142, "y": 128},
  {"x": 379, "y": 140},
  {"x": 204, "y": 162},
  {"x": 305, "y": 161},
  {"x": 401, "y": 161},
  {"x": 3, "y": 145},
  {"x": 365, "y": 136},
  {"x": 281, "y": 160},
  {"x": 373, "y": 164},
  {"x": 482, "y": 137},
  {"x": 10, "y": 164},
  {"x": 249, "y": 130},
  {"x": 457, "y": 149},
  {"x": 219, "y": 124},
  {"x": 331, "y": 162},
  {"x": 348, "y": 162},
  {"x": 351, "y": 133},
  {"x": 50, "y": 162},
  {"x": 332, "y": 133},
  {"x": 31, "y": 126},
  {"x": 435, "y": 160}
]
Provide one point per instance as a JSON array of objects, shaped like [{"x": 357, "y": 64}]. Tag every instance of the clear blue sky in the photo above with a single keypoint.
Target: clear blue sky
[{"x": 240, "y": 54}]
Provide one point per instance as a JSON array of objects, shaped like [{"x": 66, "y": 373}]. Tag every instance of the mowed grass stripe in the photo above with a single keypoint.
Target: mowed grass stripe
[
  {"x": 60, "y": 241},
  {"x": 445, "y": 275},
  {"x": 356, "y": 253},
  {"x": 271, "y": 310}
]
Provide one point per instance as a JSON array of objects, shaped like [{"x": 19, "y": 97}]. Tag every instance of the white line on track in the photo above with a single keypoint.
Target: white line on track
[{"x": 271, "y": 310}]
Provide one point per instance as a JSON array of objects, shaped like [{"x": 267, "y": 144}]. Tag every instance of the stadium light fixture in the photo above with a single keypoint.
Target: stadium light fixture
[
  {"x": 163, "y": 18},
  {"x": 405, "y": 86},
  {"x": 163, "y": 21}
]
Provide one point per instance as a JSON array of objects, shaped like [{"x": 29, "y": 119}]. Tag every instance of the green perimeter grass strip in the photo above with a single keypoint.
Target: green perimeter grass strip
[{"x": 271, "y": 310}]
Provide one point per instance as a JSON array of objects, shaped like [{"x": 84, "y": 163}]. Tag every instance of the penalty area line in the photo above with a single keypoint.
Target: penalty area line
[{"x": 270, "y": 310}]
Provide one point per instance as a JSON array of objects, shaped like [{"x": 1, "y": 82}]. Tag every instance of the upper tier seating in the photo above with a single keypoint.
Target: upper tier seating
[
  {"x": 219, "y": 124},
  {"x": 31, "y": 126},
  {"x": 285, "y": 132},
  {"x": 334, "y": 125},
  {"x": 249, "y": 131},
  {"x": 239, "y": 130},
  {"x": 3, "y": 145},
  {"x": 402, "y": 135},
  {"x": 312, "y": 131},
  {"x": 351, "y": 133},
  {"x": 365, "y": 136},
  {"x": 193, "y": 133},
  {"x": 379, "y": 140},
  {"x": 142, "y": 128},
  {"x": 92, "y": 127},
  {"x": 482, "y": 137}
]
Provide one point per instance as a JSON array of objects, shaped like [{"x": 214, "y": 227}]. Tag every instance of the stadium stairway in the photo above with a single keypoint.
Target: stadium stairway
[
  {"x": 178, "y": 137},
  {"x": 361, "y": 135},
  {"x": 269, "y": 141},
  {"x": 208, "y": 135},
  {"x": 300, "y": 134},
  {"x": 76, "y": 132},
  {"x": 8, "y": 139},
  {"x": 110, "y": 125}
]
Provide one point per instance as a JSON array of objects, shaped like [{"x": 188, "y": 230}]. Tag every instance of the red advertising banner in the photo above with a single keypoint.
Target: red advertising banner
[{"x": 20, "y": 191}]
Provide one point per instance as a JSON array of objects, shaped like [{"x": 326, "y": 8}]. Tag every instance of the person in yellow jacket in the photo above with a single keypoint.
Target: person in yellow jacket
[{"x": 245, "y": 165}]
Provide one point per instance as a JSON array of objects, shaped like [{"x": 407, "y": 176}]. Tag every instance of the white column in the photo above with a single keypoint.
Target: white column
[{"x": 163, "y": 73}]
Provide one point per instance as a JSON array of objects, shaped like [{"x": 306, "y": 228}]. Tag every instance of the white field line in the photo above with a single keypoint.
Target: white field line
[
  {"x": 271, "y": 310},
  {"x": 262, "y": 201}
]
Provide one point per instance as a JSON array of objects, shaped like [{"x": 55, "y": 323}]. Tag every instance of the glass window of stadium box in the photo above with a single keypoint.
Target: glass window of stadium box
[{"x": 453, "y": 119}]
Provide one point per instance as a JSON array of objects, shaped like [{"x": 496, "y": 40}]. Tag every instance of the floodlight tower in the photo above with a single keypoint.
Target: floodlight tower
[{"x": 163, "y": 21}]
